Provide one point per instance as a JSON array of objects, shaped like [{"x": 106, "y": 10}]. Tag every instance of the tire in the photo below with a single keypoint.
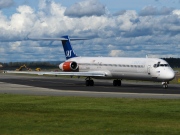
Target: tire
[
  {"x": 91, "y": 82},
  {"x": 115, "y": 83},
  {"x": 119, "y": 82},
  {"x": 87, "y": 83},
  {"x": 165, "y": 86}
]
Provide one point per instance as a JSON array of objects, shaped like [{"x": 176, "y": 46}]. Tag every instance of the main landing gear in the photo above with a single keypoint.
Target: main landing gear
[
  {"x": 89, "y": 82},
  {"x": 117, "y": 83},
  {"x": 165, "y": 85}
]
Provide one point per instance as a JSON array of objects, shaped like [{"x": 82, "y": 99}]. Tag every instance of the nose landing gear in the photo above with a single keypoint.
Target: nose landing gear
[{"x": 165, "y": 85}]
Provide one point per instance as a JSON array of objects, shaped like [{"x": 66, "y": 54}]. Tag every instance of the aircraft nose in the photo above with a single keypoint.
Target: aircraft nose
[
  {"x": 167, "y": 75},
  {"x": 170, "y": 75}
]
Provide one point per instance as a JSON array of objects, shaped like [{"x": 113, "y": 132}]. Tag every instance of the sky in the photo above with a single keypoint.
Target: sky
[{"x": 115, "y": 28}]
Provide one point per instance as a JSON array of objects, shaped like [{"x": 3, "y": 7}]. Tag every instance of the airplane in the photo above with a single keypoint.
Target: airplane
[{"x": 116, "y": 68}]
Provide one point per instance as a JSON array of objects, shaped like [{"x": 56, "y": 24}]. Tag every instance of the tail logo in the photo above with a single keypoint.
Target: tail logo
[{"x": 69, "y": 53}]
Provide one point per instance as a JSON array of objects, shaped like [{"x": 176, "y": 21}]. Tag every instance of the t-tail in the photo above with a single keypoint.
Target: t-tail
[{"x": 68, "y": 50}]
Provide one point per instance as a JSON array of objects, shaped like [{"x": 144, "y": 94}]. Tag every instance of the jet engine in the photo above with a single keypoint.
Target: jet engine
[{"x": 69, "y": 66}]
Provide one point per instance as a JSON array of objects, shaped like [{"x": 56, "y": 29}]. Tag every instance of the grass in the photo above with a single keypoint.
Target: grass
[{"x": 87, "y": 116}]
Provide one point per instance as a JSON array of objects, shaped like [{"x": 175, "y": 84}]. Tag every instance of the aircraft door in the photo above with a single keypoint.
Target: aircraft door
[
  {"x": 148, "y": 69},
  {"x": 151, "y": 71}
]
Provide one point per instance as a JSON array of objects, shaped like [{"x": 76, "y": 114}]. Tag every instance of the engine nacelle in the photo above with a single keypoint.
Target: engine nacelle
[{"x": 69, "y": 66}]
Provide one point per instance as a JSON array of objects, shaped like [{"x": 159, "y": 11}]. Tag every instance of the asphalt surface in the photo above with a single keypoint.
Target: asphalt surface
[{"x": 59, "y": 86}]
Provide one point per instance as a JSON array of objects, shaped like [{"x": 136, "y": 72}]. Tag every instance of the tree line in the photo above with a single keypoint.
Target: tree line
[
  {"x": 173, "y": 62},
  {"x": 42, "y": 65}
]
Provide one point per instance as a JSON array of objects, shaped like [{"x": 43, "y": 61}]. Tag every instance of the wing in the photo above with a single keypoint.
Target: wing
[{"x": 87, "y": 74}]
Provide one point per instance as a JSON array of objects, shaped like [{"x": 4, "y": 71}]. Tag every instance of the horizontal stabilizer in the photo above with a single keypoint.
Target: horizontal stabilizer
[
  {"x": 74, "y": 39},
  {"x": 57, "y": 39},
  {"x": 49, "y": 39},
  {"x": 68, "y": 50}
]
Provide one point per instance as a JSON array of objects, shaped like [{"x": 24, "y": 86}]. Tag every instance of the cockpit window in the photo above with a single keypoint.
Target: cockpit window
[
  {"x": 167, "y": 65},
  {"x": 164, "y": 65},
  {"x": 160, "y": 65},
  {"x": 156, "y": 65}
]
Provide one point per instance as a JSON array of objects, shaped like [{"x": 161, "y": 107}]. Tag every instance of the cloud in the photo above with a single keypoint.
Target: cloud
[
  {"x": 86, "y": 8},
  {"x": 6, "y": 3},
  {"x": 151, "y": 11},
  {"x": 116, "y": 53},
  {"x": 125, "y": 34},
  {"x": 119, "y": 13},
  {"x": 17, "y": 27},
  {"x": 176, "y": 12}
]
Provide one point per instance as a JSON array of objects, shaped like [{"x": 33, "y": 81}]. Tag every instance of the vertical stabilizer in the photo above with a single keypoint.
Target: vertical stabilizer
[{"x": 69, "y": 52}]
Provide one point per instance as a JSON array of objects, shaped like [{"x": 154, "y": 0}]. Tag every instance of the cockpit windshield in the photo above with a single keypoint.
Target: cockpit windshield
[
  {"x": 164, "y": 65},
  {"x": 161, "y": 65}
]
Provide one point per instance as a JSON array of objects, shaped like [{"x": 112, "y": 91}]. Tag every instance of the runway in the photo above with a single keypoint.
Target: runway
[{"x": 59, "y": 86}]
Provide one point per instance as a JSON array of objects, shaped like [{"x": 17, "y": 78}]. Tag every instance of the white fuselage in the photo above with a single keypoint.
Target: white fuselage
[{"x": 151, "y": 69}]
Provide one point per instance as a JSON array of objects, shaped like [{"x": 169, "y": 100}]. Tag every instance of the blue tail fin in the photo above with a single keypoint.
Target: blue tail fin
[{"x": 69, "y": 52}]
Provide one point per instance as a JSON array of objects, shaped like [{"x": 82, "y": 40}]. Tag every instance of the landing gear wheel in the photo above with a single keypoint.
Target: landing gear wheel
[
  {"x": 117, "y": 83},
  {"x": 165, "y": 86},
  {"x": 89, "y": 82}
]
